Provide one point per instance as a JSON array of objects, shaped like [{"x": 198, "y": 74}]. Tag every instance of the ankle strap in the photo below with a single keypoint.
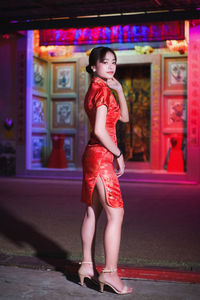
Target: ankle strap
[
  {"x": 109, "y": 271},
  {"x": 85, "y": 262}
]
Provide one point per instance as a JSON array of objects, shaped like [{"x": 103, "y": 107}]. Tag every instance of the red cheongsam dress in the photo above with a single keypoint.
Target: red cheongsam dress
[{"x": 97, "y": 160}]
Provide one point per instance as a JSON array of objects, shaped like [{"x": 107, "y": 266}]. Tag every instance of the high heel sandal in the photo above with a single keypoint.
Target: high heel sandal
[
  {"x": 83, "y": 275},
  {"x": 126, "y": 290}
]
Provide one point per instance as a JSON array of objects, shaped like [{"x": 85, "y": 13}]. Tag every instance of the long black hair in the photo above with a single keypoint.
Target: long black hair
[{"x": 96, "y": 54}]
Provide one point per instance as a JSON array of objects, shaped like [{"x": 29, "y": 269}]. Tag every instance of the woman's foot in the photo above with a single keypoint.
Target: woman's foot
[
  {"x": 111, "y": 278},
  {"x": 87, "y": 270}
]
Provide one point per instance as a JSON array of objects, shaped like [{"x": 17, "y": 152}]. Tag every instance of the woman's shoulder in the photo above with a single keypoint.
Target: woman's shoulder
[
  {"x": 98, "y": 82},
  {"x": 99, "y": 88}
]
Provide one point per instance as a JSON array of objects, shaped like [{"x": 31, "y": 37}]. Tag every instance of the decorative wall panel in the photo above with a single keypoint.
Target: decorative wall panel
[
  {"x": 194, "y": 69},
  {"x": 39, "y": 112},
  {"x": 174, "y": 111},
  {"x": 63, "y": 77},
  {"x": 64, "y": 105},
  {"x": 21, "y": 96},
  {"x": 69, "y": 148},
  {"x": 175, "y": 74},
  {"x": 38, "y": 149},
  {"x": 63, "y": 113},
  {"x": 155, "y": 114},
  {"x": 39, "y": 74},
  {"x": 82, "y": 120}
]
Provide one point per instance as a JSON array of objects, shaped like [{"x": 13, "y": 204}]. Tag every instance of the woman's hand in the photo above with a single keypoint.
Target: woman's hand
[
  {"x": 120, "y": 165},
  {"x": 114, "y": 84}
]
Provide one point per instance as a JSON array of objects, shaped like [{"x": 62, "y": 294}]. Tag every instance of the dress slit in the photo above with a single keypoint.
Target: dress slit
[
  {"x": 104, "y": 169},
  {"x": 104, "y": 186},
  {"x": 105, "y": 190}
]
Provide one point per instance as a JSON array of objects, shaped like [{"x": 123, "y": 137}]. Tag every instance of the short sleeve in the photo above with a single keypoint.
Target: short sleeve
[{"x": 102, "y": 97}]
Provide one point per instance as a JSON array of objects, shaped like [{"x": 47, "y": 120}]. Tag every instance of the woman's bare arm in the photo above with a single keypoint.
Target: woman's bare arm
[
  {"x": 103, "y": 136},
  {"x": 115, "y": 85},
  {"x": 124, "y": 115},
  {"x": 101, "y": 132}
]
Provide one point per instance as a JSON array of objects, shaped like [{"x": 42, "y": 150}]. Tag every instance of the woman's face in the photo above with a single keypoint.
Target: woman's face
[{"x": 106, "y": 68}]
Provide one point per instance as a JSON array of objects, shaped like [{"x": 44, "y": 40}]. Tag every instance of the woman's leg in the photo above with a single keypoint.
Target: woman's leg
[
  {"x": 88, "y": 230},
  {"x": 112, "y": 237}
]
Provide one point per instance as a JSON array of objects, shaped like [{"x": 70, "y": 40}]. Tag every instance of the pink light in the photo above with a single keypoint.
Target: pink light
[
  {"x": 6, "y": 36},
  {"x": 157, "y": 2}
]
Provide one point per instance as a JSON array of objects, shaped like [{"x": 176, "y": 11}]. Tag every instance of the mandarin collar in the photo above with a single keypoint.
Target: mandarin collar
[{"x": 99, "y": 80}]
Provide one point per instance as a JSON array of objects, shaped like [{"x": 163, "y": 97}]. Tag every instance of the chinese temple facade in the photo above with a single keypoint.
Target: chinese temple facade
[{"x": 44, "y": 82}]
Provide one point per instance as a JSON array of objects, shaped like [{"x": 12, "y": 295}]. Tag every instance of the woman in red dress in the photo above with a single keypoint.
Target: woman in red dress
[{"x": 100, "y": 187}]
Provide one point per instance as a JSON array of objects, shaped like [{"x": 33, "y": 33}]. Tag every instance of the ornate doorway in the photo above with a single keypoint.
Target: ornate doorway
[
  {"x": 134, "y": 137},
  {"x": 141, "y": 79}
]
